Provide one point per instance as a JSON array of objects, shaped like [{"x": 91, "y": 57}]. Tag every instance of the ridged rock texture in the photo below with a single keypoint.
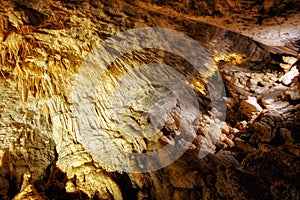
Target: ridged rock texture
[{"x": 253, "y": 152}]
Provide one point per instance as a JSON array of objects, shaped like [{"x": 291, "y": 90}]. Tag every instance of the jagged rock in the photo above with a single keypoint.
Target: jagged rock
[
  {"x": 289, "y": 60},
  {"x": 286, "y": 164},
  {"x": 270, "y": 97},
  {"x": 250, "y": 107},
  {"x": 289, "y": 76},
  {"x": 265, "y": 127},
  {"x": 27, "y": 190},
  {"x": 225, "y": 158},
  {"x": 44, "y": 154},
  {"x": 234, "y": 184}
]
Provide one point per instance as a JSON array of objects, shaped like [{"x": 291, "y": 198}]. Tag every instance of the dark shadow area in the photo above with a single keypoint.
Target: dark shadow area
[
  {"x": 127, "y": 189},
  {"x": 51, "y": 186}
]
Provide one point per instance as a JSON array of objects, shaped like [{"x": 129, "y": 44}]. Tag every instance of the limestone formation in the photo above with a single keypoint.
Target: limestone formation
[{"x": 78, "y": 111}]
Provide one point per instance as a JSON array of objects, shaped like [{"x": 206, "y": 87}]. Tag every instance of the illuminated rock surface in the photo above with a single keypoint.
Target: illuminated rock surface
[{"x": 252, "y": 154}]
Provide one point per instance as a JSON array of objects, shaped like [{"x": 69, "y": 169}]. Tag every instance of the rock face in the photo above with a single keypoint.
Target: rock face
[
  {"x": 264, "y": 21},
  {"x": 76, "y": 120}
]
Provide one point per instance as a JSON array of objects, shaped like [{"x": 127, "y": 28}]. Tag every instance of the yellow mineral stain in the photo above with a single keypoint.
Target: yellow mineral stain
[{"x": 234, "y": 58}]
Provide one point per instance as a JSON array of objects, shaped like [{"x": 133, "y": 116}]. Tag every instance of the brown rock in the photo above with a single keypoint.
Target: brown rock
[
  {"x": 277, "y": 105},
  {"x": 43, "y": 45},
  {"x": 284, "y": 190},
  {"x": 233, "y": 184},
  {"x": 289, "y": 76},
  {"x": 250, "y": 107},
  {"x": 265, "y": 127}
]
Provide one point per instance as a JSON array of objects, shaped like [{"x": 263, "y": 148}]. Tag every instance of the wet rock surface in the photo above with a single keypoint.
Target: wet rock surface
[{"x": 253, "y": 153}]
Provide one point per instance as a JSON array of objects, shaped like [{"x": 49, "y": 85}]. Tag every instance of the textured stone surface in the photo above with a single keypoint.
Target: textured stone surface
[
  {"x": 252, "y": 154},
  {"x": 264, "y": 21}
]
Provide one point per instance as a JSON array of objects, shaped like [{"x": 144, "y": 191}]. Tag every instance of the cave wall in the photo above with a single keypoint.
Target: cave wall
[{"x": 44, "y": 46}]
